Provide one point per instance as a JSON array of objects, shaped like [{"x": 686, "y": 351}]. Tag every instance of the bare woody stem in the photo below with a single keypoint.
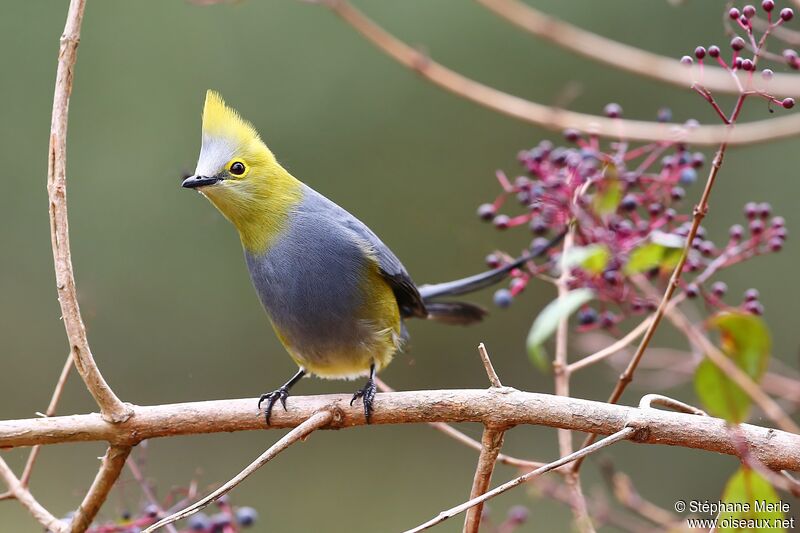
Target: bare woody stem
[
  {"x": 492, "y": 407},
  {"x": 110, "y": 468},
  {"x": 622, "y": 56},
  {"x": 561, "y": 377},
  {"x": 550, "y": 117},
  {"x": 23, "y": 495},
  {"x": 491, "y": 443},
  {"x": 314, "y": 422},
  {"x": 624, "y": 433},
  {"x": 110, "y": 406}
]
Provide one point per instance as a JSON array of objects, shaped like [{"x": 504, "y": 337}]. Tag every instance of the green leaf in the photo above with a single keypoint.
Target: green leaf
[
  {"x": 750, "y": 501},
  {"x": 644, "y": 258},
  {"x": 664, "y": 250},
  {"x": 609, "y": 192},
  {"x": 746, "y": 341},
  {"x": 592, "y": 258},
  {"x": 547, "y": 321}
]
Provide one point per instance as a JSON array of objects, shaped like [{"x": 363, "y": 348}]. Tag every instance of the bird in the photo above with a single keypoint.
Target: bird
[{"x": 336, "y": 295}]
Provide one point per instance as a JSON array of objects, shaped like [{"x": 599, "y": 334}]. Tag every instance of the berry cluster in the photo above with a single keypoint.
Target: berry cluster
[
  {"x": 744, "y": 20},
  {"x": 626, "y": 204},
  {"x": 228, "y": 519}
]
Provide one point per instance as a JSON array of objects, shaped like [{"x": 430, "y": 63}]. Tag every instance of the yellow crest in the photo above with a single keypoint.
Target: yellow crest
[{"x": 219, "y": 120}]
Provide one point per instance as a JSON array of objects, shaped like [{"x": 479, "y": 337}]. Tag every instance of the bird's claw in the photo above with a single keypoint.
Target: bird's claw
[
  {"x": 272, "y": 397},
  {"x": 367, "y": 395}
]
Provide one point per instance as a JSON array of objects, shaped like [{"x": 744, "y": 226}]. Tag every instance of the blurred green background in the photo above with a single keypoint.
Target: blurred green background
[{"x": 165, "y": 294}]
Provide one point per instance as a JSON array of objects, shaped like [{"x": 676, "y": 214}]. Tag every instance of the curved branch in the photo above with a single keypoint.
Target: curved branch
[
  {"x": 553, "y": 118},
  {"x": 111, "y": 406},
  {"x": 493, "y": 407},
  {"x": 626, "y": 57},
  {"x": 24, "y": 496}
]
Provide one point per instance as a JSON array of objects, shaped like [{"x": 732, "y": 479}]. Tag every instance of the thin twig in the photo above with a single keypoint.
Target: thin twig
[
  {"x": 465, "y": 439},
  {"x": 649, "y": 400},
  {"x": 625, "y": 492},
  {"x": 51, "y": 410},
  {"x": 137, "y": 474},
  {"x": 23, "y": 495},
  {"x": 315, "y": 422},
  {"x": 561, "y": 377},
  {"x": 601, "y": 512},
  {"x": 112, "y": 408},
  {"x": 622, "y": 56},
  {"x": 624, "y": 433},
  {"x": 110, "y": 468},
  {"x": 699, "y": 213},
  {"x": 487, "y": 364},
  {"x": 611, "y": 349},
  {"x": 736, "y": 374},
  {"x": 549, "y": 117},
  {"x": 491, "y": 443}
]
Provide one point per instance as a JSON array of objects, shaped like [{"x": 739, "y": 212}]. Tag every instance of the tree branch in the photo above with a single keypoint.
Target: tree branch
[
  {"x": 624, "y": 433},
  {"x": 553, "y": 118},
  {"x": 499, "y": 408},
  {"x": 51, "y": 410},
  {"x": 110, "y": 406},
  {"x": 23, "y": 495},
  {"x": 463, "y": 438},
  {"x": 491, "y": 443},
  {"x": 112, "y": 464},
  {"x": 626, "y": 57}
]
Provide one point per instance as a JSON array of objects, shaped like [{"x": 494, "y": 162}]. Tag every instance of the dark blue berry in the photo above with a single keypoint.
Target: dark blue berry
[
  {"x": 246, "y": 516},
  {"x": 503, "y": 298}
]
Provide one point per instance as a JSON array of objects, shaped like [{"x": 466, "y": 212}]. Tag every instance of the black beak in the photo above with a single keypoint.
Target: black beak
[{"x": 193, "y": 182}]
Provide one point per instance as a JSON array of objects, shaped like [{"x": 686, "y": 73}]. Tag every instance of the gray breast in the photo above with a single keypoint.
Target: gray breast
[{"x": 310, "y": 280}]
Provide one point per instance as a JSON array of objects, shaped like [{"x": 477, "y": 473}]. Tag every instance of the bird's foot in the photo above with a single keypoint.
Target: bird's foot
[
  {"x": 367, "y": 395},
  {"x": 271, "y": 398}
]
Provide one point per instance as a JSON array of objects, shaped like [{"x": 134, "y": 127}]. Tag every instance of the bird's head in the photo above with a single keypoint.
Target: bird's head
[{"x": 238, "y": 173}]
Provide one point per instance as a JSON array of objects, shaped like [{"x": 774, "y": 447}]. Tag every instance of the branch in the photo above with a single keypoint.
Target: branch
[
  {"x": 51, "y": 410},
  {"x": 491, "y": 443},
  {"x": 24, "y": 497},
  {"x": 465, "y": 439},
  {"x": 624, "y": 433},
  {"x": 611, "y": 349},
  {"x": 112, "y": 464},
  {"x": 553, "y": 118},
  {"x": 737, "y": 375},
  {"x": 314, "y": 422},
  {"x": 561, "y": 375},
  {"x": 625, "y": 57},
  {"x": 110, "y": 406},
  {"x": 499, "y": 408},
  {"x": 137, "y": 474}
]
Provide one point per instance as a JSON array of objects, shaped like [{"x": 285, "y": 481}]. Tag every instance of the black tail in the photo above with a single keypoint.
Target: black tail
[
  {"x": 467, "y": 313},
  {"x": 457, "y": 313}
]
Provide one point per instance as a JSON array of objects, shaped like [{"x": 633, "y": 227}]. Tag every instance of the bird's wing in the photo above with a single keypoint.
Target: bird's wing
[{"x": 391, "y": 269}]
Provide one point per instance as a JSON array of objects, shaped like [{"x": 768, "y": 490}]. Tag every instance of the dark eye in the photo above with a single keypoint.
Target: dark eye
[{"x": 237, "y": 168}]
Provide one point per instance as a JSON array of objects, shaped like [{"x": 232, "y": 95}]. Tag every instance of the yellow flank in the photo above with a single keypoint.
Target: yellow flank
[
  {"x": 382, "y": 338},
  {"x": 257, "y": 206}
]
